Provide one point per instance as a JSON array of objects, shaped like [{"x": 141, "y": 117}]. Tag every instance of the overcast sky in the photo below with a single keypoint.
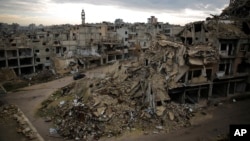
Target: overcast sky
[{"x": 49, "y": 12}]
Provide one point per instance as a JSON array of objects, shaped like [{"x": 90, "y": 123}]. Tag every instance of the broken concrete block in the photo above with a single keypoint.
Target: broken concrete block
[
  {"x": 160, "y": 110},
  {"x": 100, "y": 111},
  {"x": 171, "y": 115}
]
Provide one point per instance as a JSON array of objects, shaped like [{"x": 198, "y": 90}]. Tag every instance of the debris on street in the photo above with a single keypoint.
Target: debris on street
[{"x": 8, "y": 112}]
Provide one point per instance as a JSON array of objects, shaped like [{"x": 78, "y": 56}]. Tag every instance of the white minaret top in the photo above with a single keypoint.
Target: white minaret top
[{"x": 83, "y": 17}]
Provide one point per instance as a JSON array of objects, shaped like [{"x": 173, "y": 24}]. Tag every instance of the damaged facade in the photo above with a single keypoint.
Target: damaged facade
[
  {"x": 217, "y": 55},
  {"x": 68, "y": 48}
]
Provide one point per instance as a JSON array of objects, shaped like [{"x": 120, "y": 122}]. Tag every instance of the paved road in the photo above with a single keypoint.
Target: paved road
[{"x": 29, "y": 99}]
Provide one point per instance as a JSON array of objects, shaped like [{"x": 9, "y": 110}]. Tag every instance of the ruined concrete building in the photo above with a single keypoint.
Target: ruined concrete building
[
  {"x": 68, "y": 48},
  {"x": 218, "y": 55}
]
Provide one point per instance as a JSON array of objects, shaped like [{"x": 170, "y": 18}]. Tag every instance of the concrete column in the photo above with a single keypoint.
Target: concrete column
[
  {"x": 183, "y": 97},
  {"x": 18, "y": 61},
  {"x": 101, "y": 61},
  {"x": 123, "y": 56},
  {"x": 18, "y": 58},
  {"x": 235, "y": 87},
  {"x": 6, "y": 58},
  {"x": 185, "y": 32},
  {"x": 107, "y": 58},
  {"x": 193, "y": 33},
  {"x": 199, "y": 94},
  {"x": 19, "y": 71},
  {"x": 203, "y": 36},
  {"x": 33, "y": 60},
  {"x": 228, "y": 87},
  {"x": 210, "y": 91}
]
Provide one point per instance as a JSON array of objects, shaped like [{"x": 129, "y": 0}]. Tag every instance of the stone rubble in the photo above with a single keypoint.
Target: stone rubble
[
  {"x": 12, "y": 112},
  {"x": 134, "y": 97}
]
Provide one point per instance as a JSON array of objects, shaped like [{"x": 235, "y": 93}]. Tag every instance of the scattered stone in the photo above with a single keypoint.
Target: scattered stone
[
  {"x": 52, "y": 131},
  {"x": 171, "y": 116},
  {"x": 234, "y": 100},
  {"x": 48, "y": 119},
  {"x": 160, "y": 110},
  {"x": 159, "y": 127}
]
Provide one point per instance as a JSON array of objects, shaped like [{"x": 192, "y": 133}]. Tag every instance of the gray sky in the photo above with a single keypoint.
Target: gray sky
[{"x": 49, "y": 12}]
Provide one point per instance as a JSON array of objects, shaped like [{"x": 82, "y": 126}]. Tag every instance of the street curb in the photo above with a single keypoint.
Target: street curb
[{"x": 39, "y": 137}]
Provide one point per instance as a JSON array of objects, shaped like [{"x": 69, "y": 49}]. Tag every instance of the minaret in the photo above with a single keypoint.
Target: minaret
[{"x": 83, "y": 17}]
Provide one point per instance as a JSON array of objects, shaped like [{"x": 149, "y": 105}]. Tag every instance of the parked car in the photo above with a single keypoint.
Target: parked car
[{"x": 77, "y": 76}]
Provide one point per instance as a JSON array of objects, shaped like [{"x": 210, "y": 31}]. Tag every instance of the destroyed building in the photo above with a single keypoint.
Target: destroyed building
[
  {"x": 67, "y": 48},
  {"x": 218, "y": 56}
]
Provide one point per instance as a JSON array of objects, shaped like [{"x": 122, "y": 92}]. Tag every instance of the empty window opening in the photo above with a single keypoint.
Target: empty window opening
[
  {"x": 64, "y": 49},
  {"x": 2, "y": 64},
  {"x": 47, "y": 58},
  {"x": 167, "y": 31},
  {"x": 242, "y": 67},
  {"x": 38, "y": 60},
  {"x": 209, "y": 74},
  {"x": 47, "y": 49},
  {"x": 219, "y": 90},
  {"x": 25, "y": 52},
  {"x": 58, "y": 49},
  {"x": 2, "y": 54},
  {"x": 146, "y": 62},
  {"x": 226, "y": 68},
  {"x": 240, "y": 87},
  {"x": 198, "y": 27},
  {"x": 230, "y": 49},
  {"x": 246, "y": 28},
  {"x": 27, "y": 70},
  {"x": 196, "y": 73},
  {"x": 176, "y": 94},
  {"x": 189, "y": 41},
  {"x": 111, "y": 58},
  {"x": 26, "y": 61},
  {"x": 11, "y": 53},
  {"x": 13, "y": 62},
  {"x": 222, "y": 67},
  {"x": 190, "y": 74},
  {"x": 37, "y": 51},
  {"x": 232, "y": 88},
  {"x": 191, "y": 97},
  {"x": 56, "y": 35},
  {"x": 56, "y": 42},
  {"x": 118, "y": 57},
  {"x": 223, "y": 47},
  {"x": 242, "y": 48},
  {"x": 39, "y": 67}
]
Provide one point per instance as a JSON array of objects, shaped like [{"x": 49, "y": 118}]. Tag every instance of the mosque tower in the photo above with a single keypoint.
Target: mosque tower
[{"x": 83, "y": 17}]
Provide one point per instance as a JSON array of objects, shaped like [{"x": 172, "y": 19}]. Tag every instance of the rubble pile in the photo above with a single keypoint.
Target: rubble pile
[
  {"x": 107, "y": 115},
  {"x": 202, "y": 55},
  {"x": 8, "y": 112},
  {"x": 41, "y": 76},
  {"x": 134, "y": 97}
]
